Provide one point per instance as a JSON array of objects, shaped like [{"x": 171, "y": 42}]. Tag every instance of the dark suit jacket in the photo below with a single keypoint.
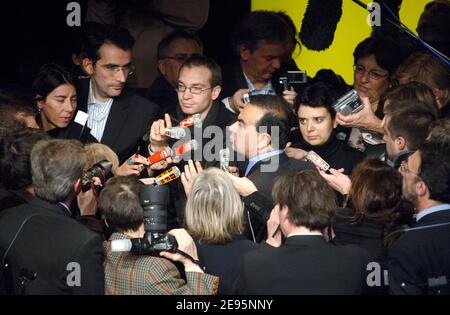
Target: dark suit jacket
[
  {"x": 47, "y": 245},
  {"x": 163, "y": 94},
  {"x": 303, "y": 265},
  {"x": 128, "y": 121},
  {"x": 263, "y": 174},
  {"x": 420, "y": 255},
  {"x": 223, "y": 260}
]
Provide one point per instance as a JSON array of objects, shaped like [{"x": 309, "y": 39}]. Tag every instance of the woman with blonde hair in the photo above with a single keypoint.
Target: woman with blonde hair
[{"x": 214, "y": 217}]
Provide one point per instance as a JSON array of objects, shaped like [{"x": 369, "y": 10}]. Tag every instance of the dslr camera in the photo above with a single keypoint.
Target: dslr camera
[
  {"x": 154, "y": 201},
  {"x": 348, "y": 104},
  {"x": 102, "y": 170}
]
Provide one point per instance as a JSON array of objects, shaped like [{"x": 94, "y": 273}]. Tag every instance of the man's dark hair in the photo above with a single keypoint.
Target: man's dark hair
[
  {"x": 278, "y": 114},
  {"x": 15, "y": 151},
  {"x": 49, "y": 77},
  {"x": 120, "y": 205},
  {"x": 435, "y": 170},
  {"x": 105, "y": 34},
  {"x": 207, "y": 62},
  {"x": 163, "y": 46},
  {"x": 440, "y": 132},
  {"x": 310, "y": 200},
  {"x": 260, "y": 26},
  {"x": 317, "y": 94},
  {"x": 410, "y": 120},
  {"x": 386, "y": 52},
  {"x": 14, "y": 107}
]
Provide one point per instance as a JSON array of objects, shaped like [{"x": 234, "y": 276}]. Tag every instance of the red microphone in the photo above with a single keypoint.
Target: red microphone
[
  {"x": 194, "y": 120},
  {"x": 160, "y": 155},
  {"x": 187, "y": 147},
  {"x": 315, "y": 159}
]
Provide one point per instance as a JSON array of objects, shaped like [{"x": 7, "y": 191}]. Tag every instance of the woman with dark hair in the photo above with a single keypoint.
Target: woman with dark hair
[
  {"x": 375, "y": 61},
  {"x": 316, "y": 118},
  {"x": 54, "y": 90},
  {"x": 374, "y": 208}
]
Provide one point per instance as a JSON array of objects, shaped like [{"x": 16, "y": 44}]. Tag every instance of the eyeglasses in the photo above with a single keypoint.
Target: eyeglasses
[
  {"x": 180, "y": 57},
  {"x": 404, "y": 168},
  {"x": 376, "y": 75},
  {"x": 113, "y": 69},
  {"x": 192, "y": 89}
]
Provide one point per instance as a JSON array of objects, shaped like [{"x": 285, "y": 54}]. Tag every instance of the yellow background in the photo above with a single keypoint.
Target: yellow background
[{"x": 351, "y": 29}]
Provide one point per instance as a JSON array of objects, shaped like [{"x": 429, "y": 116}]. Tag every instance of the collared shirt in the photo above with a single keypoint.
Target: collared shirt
[
  {"x": 266, "y": 90},
  {"x": 305, "y": 234},
  {"x": 421, "y": 214},
  {"x": 66, "y": 207},
  {"x": 261, "y": 157},
  {"x": 98, "y": 114}
]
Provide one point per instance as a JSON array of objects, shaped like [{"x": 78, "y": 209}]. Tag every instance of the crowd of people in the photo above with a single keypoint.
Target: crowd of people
[{"x": 258, "y": 185}]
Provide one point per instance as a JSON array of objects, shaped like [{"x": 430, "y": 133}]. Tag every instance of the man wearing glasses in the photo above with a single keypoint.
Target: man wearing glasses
[
  {"x": 173, "y": 50},
  {"x": 419, "y": 262},
  {"x": 117, "y": 117}
]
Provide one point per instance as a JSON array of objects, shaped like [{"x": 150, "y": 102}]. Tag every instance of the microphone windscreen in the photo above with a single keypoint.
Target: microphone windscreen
[
  {"x": 120, "y": 245},
  {"x": 319, "y": 23}
]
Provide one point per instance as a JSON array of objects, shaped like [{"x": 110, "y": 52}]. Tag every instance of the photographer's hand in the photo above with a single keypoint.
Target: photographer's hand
[
  {"x": 185, "y": 244},
  {"x": 289, "y": 96},
  {"x": 87, "y": 201},
  {"x": 158, "y": 138},
  {"x": 365, "y": 119},
  {"x": 236, "y": 101}
]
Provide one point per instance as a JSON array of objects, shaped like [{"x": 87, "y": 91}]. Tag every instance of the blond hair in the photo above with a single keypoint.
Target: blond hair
[
  {"x": 214, "y": 210},
  {"x": 96, "y": 152}
]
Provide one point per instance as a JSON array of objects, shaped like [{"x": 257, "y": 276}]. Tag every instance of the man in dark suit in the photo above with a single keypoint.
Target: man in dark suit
[
  {"x": 116, "y": 116},
  {"x": 419, "y": 262},
  {"x": 261, "y": 134},
  {"x": 173, "y": 51},
  {"x": 199, "y": 86},
  {"x": 306, "y": 263},
  {"x": 45, "y": 250},
  {"x": 264, "y": 42}
]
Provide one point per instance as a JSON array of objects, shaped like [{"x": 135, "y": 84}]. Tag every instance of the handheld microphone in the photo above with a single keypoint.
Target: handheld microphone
[
  {"x": 160, "y": 155},
  {"x": 224, "y": 159},
  {"x": 187, "y": 147},
  {"x": 194, "y": 120},
  {"x": 315, "y": 159},
  {"x": 175, "y": 132},
  {"x": 167, "y": 176}
]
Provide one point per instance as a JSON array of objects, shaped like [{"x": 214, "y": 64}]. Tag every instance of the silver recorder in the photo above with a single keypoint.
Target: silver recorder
[{"x": 348, "y": 104}]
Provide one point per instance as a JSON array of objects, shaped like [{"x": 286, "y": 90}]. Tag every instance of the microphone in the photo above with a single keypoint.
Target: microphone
[
  {"x": 167, "y": 176},
  {"x": 194, "y": 120},
  {"x": 160, "y": 155},
  {"x": 224, "y": 159},
  {"x": 315, "y": 159},
  {"x": 175, "y": 132},
  {"x": 187, "y": 147}
]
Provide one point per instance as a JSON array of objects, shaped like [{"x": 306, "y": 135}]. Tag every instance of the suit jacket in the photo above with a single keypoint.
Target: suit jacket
[
  {"x": 132, "y": 274},
  {"x": 55, "y": 247},
  {"x": 263, "y": 174},
  {"x": 163, "y": 94},
  {"x": 222, "y": 260},
  {"x": 128, "y": 121},
  {"x": 421, "y": 255},
  {"x": 304, "y": 264}
]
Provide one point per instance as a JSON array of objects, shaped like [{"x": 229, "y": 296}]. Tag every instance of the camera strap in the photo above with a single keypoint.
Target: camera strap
[{"x": 197, "y": 262}]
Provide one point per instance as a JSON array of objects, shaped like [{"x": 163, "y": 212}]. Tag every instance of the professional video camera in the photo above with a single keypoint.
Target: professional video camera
[
  {"x": 348, "y": 104},
  {"x": 101, "y": 170}
]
